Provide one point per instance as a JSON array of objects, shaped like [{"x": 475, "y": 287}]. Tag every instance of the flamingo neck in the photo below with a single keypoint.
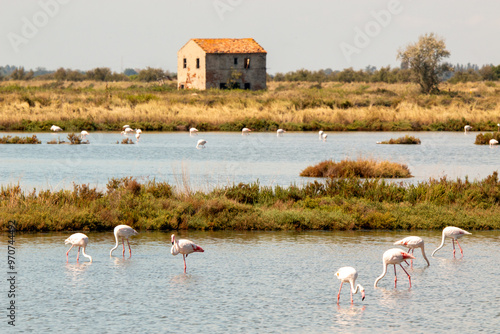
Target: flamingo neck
[
  {"x": 86, "y": 255},
  {"x": 381, "y": 276},
  {"x": 440, "y": 246},
  {"x": 116, "y": 246},
  {"x": 358, "y": 287},
  {"x": 423, "y": 254}
]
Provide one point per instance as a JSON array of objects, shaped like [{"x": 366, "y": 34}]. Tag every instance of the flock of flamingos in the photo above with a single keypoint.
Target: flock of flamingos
[{"x": 349, "y": 275}]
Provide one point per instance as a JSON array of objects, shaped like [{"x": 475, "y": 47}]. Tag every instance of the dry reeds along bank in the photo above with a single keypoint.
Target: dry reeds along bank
[
  {"x": 93, "y": 106},
  {"x": 364, "y": 168}
]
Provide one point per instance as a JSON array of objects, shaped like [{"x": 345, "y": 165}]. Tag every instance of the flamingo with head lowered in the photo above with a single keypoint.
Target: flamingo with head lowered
[
  {"x": 394, "y": 256},
  {"x": 193, "y": 131},
  {"x": 349, "y": 275},
  {"x": 80, "y": 240},
  {"x": 280, "y": 132},
  {"x": 454, "y": 233},
  {"x": 245, "y": 131},
  {"x": 123, "y": 232},
  {"x": 412, "y": 243},
  {"x": 184, "y": 247}
]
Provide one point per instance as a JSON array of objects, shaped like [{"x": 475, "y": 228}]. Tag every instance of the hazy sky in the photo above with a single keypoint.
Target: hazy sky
[{"x": 312, "y": 34}]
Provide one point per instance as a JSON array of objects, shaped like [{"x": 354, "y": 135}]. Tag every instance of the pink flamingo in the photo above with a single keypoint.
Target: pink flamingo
[
  {"x": 185, "y": 247},
  {"x": 80, "y": 240},
  {"x": 245, "y": 131},
  {"x": 349, "y": 275},
  {"x": 124, "y": 232},
  {"x": 454, "y": 233},
  {"x": 412, "y": 243},
  {"x": 394, "y": 256}
]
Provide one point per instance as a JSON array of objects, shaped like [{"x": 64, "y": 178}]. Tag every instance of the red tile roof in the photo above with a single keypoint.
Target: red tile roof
[{"x": 229, "y": 45}]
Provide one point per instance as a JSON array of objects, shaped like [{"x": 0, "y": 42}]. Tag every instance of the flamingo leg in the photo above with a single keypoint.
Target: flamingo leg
[
  {"x": 461, "y": 251},
  {"x": 395, "y": 276},
  {"x": 78, "y": 255},
  {"x": 123, "y": 243},
  {"x": 351, "y": 295},
  {"x": 409, "y": 277},
  {"x": 184, "y": 258},
  {"x": 68, "y": 253},
  {"x": 411, "y": 260},
  {"x": 129, "y": 249},
  {"x": 453, "y": 243},
  {"x": 338, "y": 295}
]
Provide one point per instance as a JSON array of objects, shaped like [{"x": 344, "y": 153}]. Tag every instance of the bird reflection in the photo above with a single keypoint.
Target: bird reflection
[
  {"x": 347, "y": 314},
  {"x": 74, "y": 270}
]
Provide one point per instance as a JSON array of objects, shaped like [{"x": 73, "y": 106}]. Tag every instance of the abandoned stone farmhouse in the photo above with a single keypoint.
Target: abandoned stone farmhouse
[{"x": 204, "y": 63}]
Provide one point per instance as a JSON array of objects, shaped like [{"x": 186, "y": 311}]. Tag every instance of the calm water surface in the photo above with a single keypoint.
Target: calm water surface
[
  {"x": 262, "y": 282},
  {"x": 231, "y": 157}
]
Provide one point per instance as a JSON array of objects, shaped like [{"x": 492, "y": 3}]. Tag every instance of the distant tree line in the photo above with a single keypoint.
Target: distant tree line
[
  {"x": 97, "y": 74},
  {"x": 458, "y": 73}
]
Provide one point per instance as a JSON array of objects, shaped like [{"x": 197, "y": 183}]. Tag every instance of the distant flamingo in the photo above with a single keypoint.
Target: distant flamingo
[
  {"x": 320, "y": 133},
  {"x": 349, "y": 275},
  {"x": 137, "y": 137},
  {"x": 394, "y": 256},
  {"x": 245, "y": 131},
  {"x": 184, "y": 247},
  {"x": 124, "y": 232},
  {"x": 498, "y": 127},
  {"x": 454, "y": 233},
  {"x": 467, "y": 128},
  {"x": 280, "y": 132},
  {"x": 412, "y": 243},
  {"x": 55, "y": 128},
  {"x": 80, "y": 240},
  {"x": 193, "y": 131},
  {"x": 493, "y": 142},
  {"x": 129, "y": 130},
  {"x": 139, "y": 131},
  {"x": 324, "y": 136},
  {"x": 201, "y": 143},
  {"x": 83, "y": 134}
]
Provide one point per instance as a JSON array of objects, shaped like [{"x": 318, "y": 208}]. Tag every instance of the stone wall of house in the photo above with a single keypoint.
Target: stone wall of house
[{"x": 246, "y": 70}]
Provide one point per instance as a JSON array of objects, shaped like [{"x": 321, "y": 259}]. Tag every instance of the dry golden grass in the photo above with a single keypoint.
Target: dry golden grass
[{"x": 283, "y": 104}]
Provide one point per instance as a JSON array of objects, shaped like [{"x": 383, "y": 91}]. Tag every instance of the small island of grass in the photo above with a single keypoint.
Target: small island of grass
[
  {"x": 484, "y": 139},
  {"x": 20, "y": 140},
  {"x": 364, "y": 168},
  {"x": 406, "y": 140}
]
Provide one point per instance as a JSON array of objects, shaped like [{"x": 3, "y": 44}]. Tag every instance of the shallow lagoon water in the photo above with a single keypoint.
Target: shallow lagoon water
[
  {"x": 254, "y": 282},
  {"x": 232, "y": 158}
]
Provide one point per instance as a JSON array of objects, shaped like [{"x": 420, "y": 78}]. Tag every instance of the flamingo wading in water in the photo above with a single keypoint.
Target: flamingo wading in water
[
  {"x": 193, "y": 131},
  {"x": 349, "y": 275},
  {"x": 245, "y": 131},
  {"x": 201, "y": 143},
  {"x": 412, "y": 243},
  {"x": 124, "y": 232},
  {"x": 280, "y": 132},
  {"x": 184, "y": 247},
  {"x": 454, "y": 233},
  {"x": 394, "y": 256},
  {"x": 467, "y": 128},
  {"x": 80, "y": 240}
]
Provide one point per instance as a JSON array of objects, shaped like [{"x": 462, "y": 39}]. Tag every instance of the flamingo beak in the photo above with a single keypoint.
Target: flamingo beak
[
  {"x": 408, "y": 256},
  {"x": 362, "y": 295}
]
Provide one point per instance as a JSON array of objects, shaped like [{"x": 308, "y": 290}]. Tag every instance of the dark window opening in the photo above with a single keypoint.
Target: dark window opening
[
  {"x": 197, "y": 62},
  {"x": 247, "y": 63},
  {"x": 184, "y": 63},
  {"x": 182, "y": 86},
  {"x": 223, "y": 85},
  {"x": 235, "y": 61},
  {"x": 247, "y": 85}
]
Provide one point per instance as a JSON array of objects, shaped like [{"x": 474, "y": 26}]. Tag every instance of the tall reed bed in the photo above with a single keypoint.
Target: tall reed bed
[
  {"x": 335, "y": 204},
  {"x": 34, "y": 106}
]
